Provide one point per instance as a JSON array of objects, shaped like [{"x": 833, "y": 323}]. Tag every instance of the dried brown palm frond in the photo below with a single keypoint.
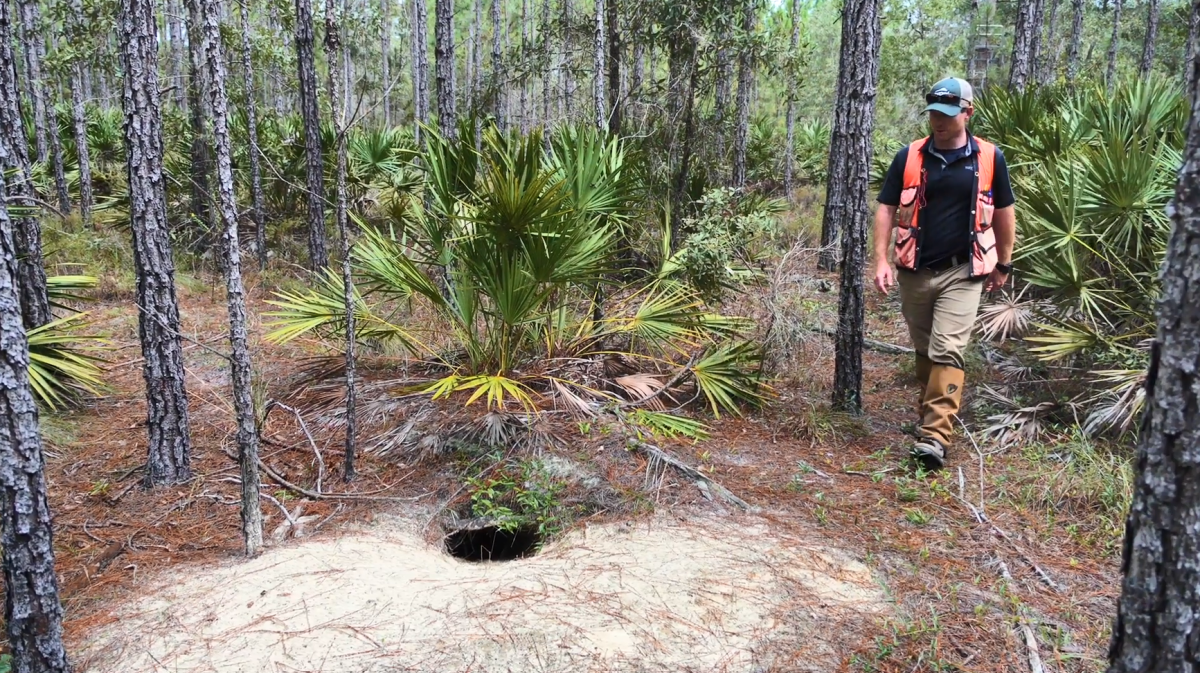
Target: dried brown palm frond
[
  {"x": 1017, "y": 424},
  {"x": 1119, "y": 404},
  {"x": 642, "y": 386},
  {"x": 1010, "y": 315}
]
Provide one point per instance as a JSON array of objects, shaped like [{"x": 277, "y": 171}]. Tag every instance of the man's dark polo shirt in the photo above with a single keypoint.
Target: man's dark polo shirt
[{"x": 946, "y": 219}]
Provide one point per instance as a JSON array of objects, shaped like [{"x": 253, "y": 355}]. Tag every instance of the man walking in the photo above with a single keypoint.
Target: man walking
[{"x": 949, "y": 198}]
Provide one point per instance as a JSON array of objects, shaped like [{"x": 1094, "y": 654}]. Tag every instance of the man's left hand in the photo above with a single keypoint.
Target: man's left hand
[{"x": 995, "y": 280}]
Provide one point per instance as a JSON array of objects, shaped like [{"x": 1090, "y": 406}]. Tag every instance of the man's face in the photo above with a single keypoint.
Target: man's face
[{"x": 946, "y": 127}]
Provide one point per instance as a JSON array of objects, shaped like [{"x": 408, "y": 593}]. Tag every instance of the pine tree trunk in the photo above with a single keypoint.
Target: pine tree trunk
[
  {"x": 256, "y": 190},
  {"x": 789, "y": 158},
  {"x": 1151, "y": 38},
  {"x": 1190, "y": 54},
  {"x": 1035, "y": 48},
  {"x": 240, "y": 370},
  {"x": 420, "y": 64},
  {"x": 1157, "y": 626},
  {"x": 444, "y": 52},
  {"x": 681, "y": 103},
  {"x": 568, "y": 76},
  {"x": 497, "y": 83},
  {"x": 56, "y": 160},
  {"x": 636, "y": 75},
  {"x": 318, "y": 253},
  {"x": 613, "y": 8},
  {"x": 35, "y": 49},
  {"x": 1076, "y": 38},
  {"x": 1049, "y": 65},
  {"x": 1023, "y": 36},
  {"x": 280, "y": 103},
  {"x": 385, "y": 58},
  {"x": 201, "y": 115},
  {"x": 741, "y": 136},
  {"x": 724, "y": 77},
  {"x": 846, "y": 194},
  {"x": 1110, "y": 73},
  {"x": 32, "y": 612},
  {"x": 178, "y": 44},
  {"x": 598, "y": 90},
  {"x": 79, "y": 117},
  {"x": 158, "y": 316},
  {"x": 333, "y": 45},
  {"x": 523, "y": 99},
  {"x": 27, "y": 231}
]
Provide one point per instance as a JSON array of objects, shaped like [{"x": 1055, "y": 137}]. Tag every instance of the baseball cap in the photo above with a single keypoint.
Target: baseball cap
[{"x": 950, "y": 96}]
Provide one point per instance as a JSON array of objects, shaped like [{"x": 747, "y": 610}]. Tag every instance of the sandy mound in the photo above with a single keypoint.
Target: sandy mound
[{"x": 703, "y": 594}]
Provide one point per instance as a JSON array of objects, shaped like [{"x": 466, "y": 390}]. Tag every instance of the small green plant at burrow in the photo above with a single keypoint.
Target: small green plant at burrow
[
  {"x": 99, "y": 488},
  {"x": 917, "y": 517},
  {"x": 585, "y": 427},
  {"x": 519, "y": 495}
]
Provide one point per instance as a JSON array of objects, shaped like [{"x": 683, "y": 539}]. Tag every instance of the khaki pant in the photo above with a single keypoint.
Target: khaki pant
[{"x": 940, "y": 309}]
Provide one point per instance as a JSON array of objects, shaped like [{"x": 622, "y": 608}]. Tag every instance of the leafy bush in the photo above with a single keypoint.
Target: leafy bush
[
  {"x": 519, "y": 494},
  {"x": 723, "y": 245}
]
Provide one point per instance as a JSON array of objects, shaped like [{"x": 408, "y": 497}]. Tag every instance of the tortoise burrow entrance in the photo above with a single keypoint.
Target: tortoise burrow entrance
[{"x": 493, "y": 543}]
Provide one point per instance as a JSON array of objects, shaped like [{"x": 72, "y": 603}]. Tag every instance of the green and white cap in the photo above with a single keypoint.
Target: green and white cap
[{"x": 950, "y": 96}]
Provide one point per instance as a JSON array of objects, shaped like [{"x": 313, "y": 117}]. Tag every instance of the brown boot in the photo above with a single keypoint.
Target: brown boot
[
  {"x": 943, "y": 397},
  {"x": 924, "y": 366}
]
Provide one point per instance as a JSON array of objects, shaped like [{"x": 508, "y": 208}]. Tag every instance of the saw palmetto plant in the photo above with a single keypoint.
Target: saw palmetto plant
[
  {"x": 1094, "y": 174},
  {"x": 514, "y": 250}
]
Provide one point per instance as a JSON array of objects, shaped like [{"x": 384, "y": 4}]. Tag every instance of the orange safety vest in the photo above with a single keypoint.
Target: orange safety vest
[{"x": 912, "y": 199}]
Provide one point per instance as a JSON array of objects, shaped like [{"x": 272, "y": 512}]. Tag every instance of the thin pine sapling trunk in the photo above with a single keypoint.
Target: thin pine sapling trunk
[
  {"x": 498, "y": 84},
  {"x": 547, "y": 70},
  {"x": 724, "y": 76},
  {"x": 1148, "y": 45},
  {"x": 1049, "y": 65},
  {"x": 200, "y": 115},
  {"x": 333, "y": 45},
  {"x": 1114, "y": 43},
  {"x": 1020, "y": 68},
  {"x": 420, "y": 56},
  {"x": 568, "y": 78},
  {"x": 33, "y": 615},
  {"x": 385, "y": 58},
  {"x": 178, "y": 44},
  {"x": 239, "y": 361},
  {"x": 1035, "y": 47},
  {"x": 613, "y": 23},
  {"x": 27, "y": 231},
  {"x": 741, "y": 137},
  {"x": 257, "y": 212},
  {"x": 444, "y": 53},
  {"x": 35, "y": 49},
  {"x": 169, "y": 460},
  {"x": 681, "y": 98},
  {"x": 83, "y": 155},
  {"x": 318, "y": 252},
  {"x": 1158, "y": 626},
  {"x": 523, "y": 102},
  {"x": 789, "y": 158},
  {"x": 598, "y": 90},
  {"x": 1076, "y": 38},
  {"x": 846, "y": 201}
]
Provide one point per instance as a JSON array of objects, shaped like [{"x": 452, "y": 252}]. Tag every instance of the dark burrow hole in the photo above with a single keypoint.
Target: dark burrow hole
[{"x": 492, "y": 543}]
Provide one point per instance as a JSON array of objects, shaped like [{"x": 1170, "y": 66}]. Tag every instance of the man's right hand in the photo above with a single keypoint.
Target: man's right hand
[{"x": 885, "y": 277}]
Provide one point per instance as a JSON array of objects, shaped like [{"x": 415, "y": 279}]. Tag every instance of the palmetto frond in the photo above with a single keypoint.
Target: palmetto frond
[
  {"x": 64, "y": 362},
  {"x": 1010, "y": 315}
]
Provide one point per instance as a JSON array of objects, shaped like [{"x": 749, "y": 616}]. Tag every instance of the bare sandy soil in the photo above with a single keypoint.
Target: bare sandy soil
[{"x": 704, "y": 593}]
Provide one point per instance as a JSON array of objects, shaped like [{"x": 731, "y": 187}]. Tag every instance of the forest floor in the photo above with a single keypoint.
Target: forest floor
[{"x": 849, "y": 560}]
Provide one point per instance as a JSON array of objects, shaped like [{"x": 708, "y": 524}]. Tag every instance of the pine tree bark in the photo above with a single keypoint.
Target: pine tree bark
[
  {"x": 498, "y": 85},
  {"x": 568, "y": 73},
  {"x": 850, "y": 153},
  {"x": 420, "y": 64},
  {"x": 239, "y": 361},
  {"x": 1035, "y": 48},
  {"x": 318, "y": 252},
  {"x": 1158, "y": 626},
  {"x": 385, "y": 58},
  {"x": 1151, "y": 40},
  {"x": 32, "y": 612},
  {"x": 333, "y": 45},
  {"x": 27, "y": 231},
  {"x": 83, "y": 153},
  {"x": 200, "y": 115},
  {"x": 1023, "y": 37},
  {"x": 612, "y": 20},
  {"x": 681, "y": 98},
  {"x": 723, "y": 85},
  {"x": 444, "y": 52},
  {"x": 741, "y": 136},
  {"x": 170, "y": 447},
  {"x": 1110, "y": 73},
  {"x": 1190, "y": 54},
  {"x": 1049, "y": 65},
  {"x": 523, "y": 104},
  {"x": 35, "y": 50},
  {"x": 256, "y": 190},
  {"x": 547, "y": 69},
  {"x": 178, "y": 44},
  {"x": 598, "y": 84},
  {"x": 1076, "y": 38},
  {"x": 789, "y": 159}
]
